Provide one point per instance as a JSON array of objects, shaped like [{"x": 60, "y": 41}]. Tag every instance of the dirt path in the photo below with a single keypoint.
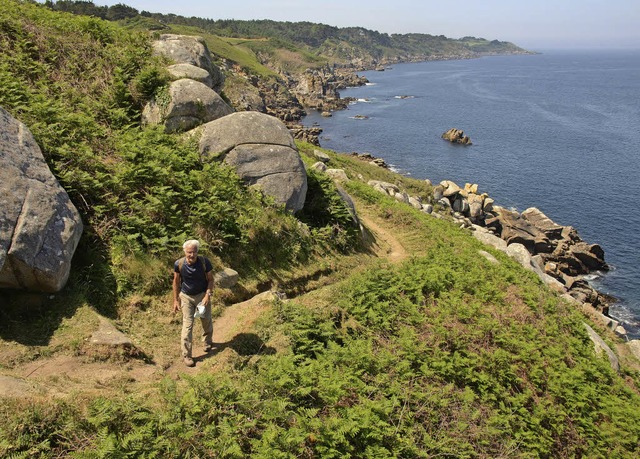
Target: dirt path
[
  {"x": 385, "y": 243},
  {"x": 238, "y": 319},
  {"x": 63, "y": 374}
]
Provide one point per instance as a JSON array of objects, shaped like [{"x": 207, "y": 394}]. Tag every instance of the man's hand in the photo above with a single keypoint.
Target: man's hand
[{"x": 176, "y": 306}]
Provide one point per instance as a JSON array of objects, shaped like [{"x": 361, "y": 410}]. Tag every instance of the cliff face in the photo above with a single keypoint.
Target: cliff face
[{"x": 289, "y": 96}]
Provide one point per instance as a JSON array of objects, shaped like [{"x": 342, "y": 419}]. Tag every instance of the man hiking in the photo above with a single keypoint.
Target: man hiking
[{"x": 192, "y": 284}]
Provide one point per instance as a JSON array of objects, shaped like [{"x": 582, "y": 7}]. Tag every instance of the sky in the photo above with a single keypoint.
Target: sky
[{"x": 534, "y": 24}]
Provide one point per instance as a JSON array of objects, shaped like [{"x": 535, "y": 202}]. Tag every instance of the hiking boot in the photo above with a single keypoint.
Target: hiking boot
[
  {"x": 208, "y": 347},
  {"x": 188, "y": 361}
]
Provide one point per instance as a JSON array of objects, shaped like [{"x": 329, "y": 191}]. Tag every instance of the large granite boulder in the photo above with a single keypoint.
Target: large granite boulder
[
  {"x": 263, "y": 152},
  {"x": 538, "y": 219},
  {"x": 514, "y": 229},
  {"x": 39, "y": 226},
  {"x": 570, "y": 253},
  {"x": 190, "y": 104},
  {"x": 484, "y": 236},
  {"x": 184, "y": 49},
  {"x": 179, "y": 71}
]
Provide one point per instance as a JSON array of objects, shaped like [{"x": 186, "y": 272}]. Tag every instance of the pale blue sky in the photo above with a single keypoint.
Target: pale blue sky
[{"x": 534, "y": 24}]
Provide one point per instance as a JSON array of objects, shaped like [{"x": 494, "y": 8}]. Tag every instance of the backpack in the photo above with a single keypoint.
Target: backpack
[{"x": 182, "y": 261}]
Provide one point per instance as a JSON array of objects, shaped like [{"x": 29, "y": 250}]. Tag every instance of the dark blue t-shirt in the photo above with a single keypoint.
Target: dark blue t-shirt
[{"x": 193, "y": 277}]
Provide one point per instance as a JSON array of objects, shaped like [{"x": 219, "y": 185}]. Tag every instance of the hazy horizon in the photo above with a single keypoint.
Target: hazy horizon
[{"x": 542, "y": 25}]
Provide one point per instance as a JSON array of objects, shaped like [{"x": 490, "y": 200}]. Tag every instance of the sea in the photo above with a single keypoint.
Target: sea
[{"x": 559, "y": 131}]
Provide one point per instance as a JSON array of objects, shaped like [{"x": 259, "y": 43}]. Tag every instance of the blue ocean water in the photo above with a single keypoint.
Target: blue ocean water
[{"x": 559, "y": 131}]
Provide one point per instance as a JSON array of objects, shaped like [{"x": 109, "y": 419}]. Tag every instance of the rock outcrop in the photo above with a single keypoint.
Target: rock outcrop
[
  {"x": 263, "y": 152},
  {"x": 184, "y": 49},
  {"x": 193, "y": 98},
  {"x": 306, "y": 134},
  {"x": 189, "y": 104},
  {"x": 179, "y": 71},
  {"x": 454, "y": 135},
  {"x": 243, "y": 94},
  {"x": 513, "y": 228},
  {"x": 319, "y": 88},
  {"x": 39, "y": 225}
]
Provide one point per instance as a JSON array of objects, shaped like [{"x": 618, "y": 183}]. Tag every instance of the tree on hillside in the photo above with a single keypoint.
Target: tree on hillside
[
  {"x": 121, "y": 11},
  {"x": 88, "y": 8}
]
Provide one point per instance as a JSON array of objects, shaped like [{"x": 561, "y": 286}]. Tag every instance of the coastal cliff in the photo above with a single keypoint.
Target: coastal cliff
[{"x": 358, "y": 326}]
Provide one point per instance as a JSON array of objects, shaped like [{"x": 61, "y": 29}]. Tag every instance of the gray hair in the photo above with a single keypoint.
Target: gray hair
[{"x": 191, "y": 242}]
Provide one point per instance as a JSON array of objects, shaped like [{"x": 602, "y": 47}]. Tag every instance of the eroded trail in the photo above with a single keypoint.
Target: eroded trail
[{"x": 386, "y": 244}]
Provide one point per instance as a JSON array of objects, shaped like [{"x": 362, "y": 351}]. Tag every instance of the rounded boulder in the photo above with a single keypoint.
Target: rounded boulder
[
  {"x": 190, "y": 104},
  {"x": 263, "y": 152}
]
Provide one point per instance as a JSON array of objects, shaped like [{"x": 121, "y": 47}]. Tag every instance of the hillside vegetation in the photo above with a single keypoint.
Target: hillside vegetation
[
  {"x": 315, "y": 44},
  {"x": 434, "y": 353}
]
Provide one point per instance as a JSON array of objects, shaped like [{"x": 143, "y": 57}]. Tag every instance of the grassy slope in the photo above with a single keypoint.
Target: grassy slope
[{"x": 442, "y": 355}]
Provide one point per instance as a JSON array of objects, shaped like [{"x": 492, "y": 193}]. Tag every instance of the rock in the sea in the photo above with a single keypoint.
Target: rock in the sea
[
  {"x": 454, "y": 135},
  {"x": 263, "y": 152},
  {"x": 591, "y": 255},
  {"x": 39, "y": 225},
  {"x": 570, "y": 254}
]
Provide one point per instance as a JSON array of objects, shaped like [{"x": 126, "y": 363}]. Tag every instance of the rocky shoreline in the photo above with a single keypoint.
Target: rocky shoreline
[{"x": 556, "y": 253}]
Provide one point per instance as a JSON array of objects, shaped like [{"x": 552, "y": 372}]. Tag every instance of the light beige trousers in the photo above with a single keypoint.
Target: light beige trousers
[{"x": 189, "y": 303}]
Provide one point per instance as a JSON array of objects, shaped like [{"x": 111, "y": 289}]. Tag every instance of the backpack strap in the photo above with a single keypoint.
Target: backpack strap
[{"x": 182, "y": 260}]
